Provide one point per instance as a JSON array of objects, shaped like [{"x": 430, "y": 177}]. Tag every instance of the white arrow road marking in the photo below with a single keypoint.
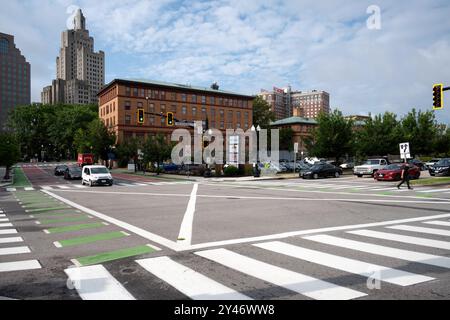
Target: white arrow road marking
[{"x": 185, "y": 235}]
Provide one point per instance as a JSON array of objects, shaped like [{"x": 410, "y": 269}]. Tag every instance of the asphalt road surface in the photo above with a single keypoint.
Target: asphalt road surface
[{"x": 150, "y": 238}]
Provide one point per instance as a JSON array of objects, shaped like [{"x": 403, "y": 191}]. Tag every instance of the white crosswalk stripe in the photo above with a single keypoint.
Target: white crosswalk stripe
[
  {"x": 438, "y": 232},
  {"x": 7, "y": 231},
  {"x": 407, "y": 255},
  {"x": 438, "y": 223},
  {"x": 404, "y": 239},
  {"x": 394, "y": 276},
  {"x": 297, "y": 282},
  {"x": 3, "y": 225},
  {"x": 14, "y": 250},
  {"x": 96, "y": 283},
  {"x": 79, "y": 186},
  {"x": 11, "y": 240},
  {"x": 191, "y": 283},
  {"x": 433, "y": 190},
  {"x": 19, "y": 265}
]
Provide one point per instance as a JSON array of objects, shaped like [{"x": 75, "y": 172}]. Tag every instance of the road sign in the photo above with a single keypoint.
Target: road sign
[
  {"x": 296, "y": 147},
  {"x": 405, "y": 152}
]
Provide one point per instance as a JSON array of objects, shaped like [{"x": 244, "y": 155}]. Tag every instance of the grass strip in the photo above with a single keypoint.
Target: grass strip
[
  {"x": 114, "y": 255},
  {"x": 76, "y": 227},
  {"x": 431, "y": 181},
  {"x": 90, "y": 239}
]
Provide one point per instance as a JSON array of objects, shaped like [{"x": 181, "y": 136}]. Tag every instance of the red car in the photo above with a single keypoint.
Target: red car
[{"x": 393, "y": 172}]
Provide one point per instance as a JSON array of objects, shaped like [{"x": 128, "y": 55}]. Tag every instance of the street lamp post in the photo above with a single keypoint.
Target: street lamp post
[
  {"x": 258, "y": 129},
  {"x": 42, "y": 153}
]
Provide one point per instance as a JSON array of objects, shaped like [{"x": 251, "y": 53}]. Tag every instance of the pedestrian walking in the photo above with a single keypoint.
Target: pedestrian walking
[{"x": 405, "y": 177}]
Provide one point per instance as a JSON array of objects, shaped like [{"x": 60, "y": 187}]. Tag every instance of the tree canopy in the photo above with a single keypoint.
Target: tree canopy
[
  {"x": 262, "y": 113},
  {"x": 333, "y": 137},
  {"x": 9, "y": 151},
  {"x": 50, "y": 128}
]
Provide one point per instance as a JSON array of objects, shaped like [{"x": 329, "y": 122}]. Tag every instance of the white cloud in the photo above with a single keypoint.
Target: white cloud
[{"x": 248, "y": 45}]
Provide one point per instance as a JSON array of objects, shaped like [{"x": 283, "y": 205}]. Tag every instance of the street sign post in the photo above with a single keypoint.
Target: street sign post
[
  {"x": 295, "y": 154},
  {"x": 405, "y": 151}
]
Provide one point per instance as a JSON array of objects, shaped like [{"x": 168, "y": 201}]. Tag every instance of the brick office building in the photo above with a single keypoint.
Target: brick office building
[
  {"x": 310, "y": 104},
  {"x": 120, "y": 99}
]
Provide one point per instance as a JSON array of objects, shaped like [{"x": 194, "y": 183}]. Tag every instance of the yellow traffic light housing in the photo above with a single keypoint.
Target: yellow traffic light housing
[
  {"x": 170, "y": 119},
  {"x": 438, "y": 97},
  {"x": 140, "y": 116}
]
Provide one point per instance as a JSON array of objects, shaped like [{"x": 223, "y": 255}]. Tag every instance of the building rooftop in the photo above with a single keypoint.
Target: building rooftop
[
  {"x": 174, "y": 86},
  {"x": 293, "y": 120},
  {"x": 309, "y": 92}
]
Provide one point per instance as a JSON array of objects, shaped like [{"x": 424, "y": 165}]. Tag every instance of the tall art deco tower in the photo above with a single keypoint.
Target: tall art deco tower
[{"x": 80, "y": 72}]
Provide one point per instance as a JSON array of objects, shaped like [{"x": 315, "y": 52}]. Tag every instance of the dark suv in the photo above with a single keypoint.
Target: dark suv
[{"x": 440, "y": 168}]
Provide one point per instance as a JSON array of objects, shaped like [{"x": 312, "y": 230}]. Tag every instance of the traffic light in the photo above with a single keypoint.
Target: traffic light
[
  {"x": 438, "y": 103},
  {"x": 140, "y": 116},
  {"x": 170, "y": 119}
]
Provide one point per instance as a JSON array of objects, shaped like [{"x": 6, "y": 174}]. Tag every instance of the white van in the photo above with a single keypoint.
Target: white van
[{"x": 96, "y": 175}]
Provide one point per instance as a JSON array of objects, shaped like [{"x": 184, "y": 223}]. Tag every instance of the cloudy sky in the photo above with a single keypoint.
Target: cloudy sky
[{"x": 249, "y": 45}]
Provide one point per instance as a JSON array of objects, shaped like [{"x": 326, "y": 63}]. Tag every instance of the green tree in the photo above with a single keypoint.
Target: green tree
[
  {"x": 262, "y": 113},
  {"x": 81, "y": 141},
  {"x": 127, "y": 150},
  {"x": 9, "y": 152},
  {"x": 68, "y": 119},
  {"x": 333, "y": 137},
  {"x": 379, "y": 136},
  {"x": 156, "y": 149},
  {"x": 96, "y": 139},
  {"x": 441, "y": 144},
  {"x": 419, "y": 129},
  {"x": 49, "y": 128},
  {"x": 286, "y": 139}
]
